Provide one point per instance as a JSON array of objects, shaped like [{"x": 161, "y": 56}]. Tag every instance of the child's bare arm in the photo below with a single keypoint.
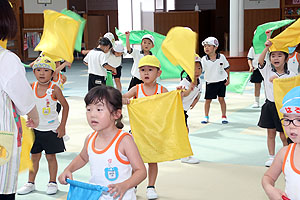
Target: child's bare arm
[
  {"x": 251, "y": 68},
  {"x": 185, "y": 93},
  {"x": 195, "y": 101},
  {"x": 78, "y": 162},
  {"x": 228, "y": 76},
  {"x": 128, "y": 95},
  {"x": 262, "y": 56},
  {"x": 108, "y": 67},
  {"x": 272, "y": 174},
  {"x": 62, "y": 100},
  {"x": 127, "y": 41},
  {"x": 139, "y": 173},
  {"x": 164, "y": 90}
]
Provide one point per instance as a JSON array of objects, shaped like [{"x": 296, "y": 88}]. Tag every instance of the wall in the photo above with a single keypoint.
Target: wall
[
  {"x": 263, "y": 4},
  {"x": 190, "y": 4},
  {"x": 102, "y": 4},
  {"x": 31, "y": 6}
]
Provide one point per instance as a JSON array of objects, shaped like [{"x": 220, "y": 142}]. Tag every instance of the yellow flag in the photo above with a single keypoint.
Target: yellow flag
[
  {"x": 59, "y": 35},
  {"x": 158, "y": 127},
  {"x": 179, "y": 47},
  {"x": 27, "y": 142},
  {"x": 281, "y": 87},
  {"x": 290, "y": 37},
  {"x": 3, "y": 43}
]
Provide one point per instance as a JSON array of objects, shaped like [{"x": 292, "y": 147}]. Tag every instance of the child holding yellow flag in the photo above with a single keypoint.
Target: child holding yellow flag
[
  {"x": 275, "y": 67},
  {"x": 149, "y": 69}
]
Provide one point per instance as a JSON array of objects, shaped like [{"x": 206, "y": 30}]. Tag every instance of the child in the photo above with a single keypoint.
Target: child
[
  {"x": 115, "y": 60},
  {"x": 256, "y": 77},
  {"x": 96, "y": 60},
  {"x": 293, "y": 63},
  {"x": 275, "y": 68},
  {"x": 191, "y": 96},
  {"x": 287, "y": 159},
  {"x": 114, "y": 159},
  {"x": 49, "y": 133},
  {"x": 146, "y": 45},
  {"x": 216, "y": 75},
  {"x": 149, "y": 69}
]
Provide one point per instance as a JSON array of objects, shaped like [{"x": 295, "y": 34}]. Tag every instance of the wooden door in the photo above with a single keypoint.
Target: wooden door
[{"x": 96, "y": 27}]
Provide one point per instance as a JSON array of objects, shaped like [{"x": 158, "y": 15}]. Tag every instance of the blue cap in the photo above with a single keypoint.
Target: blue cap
[{"x": 291, "y": 102}]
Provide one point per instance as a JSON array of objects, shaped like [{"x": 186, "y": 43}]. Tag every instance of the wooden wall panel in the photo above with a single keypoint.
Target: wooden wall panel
[
  {"x": 255, "y": 17},
  {"x": 33, "y": 20}
]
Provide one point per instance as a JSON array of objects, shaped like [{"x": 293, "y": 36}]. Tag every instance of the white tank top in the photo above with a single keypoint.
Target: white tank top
[
  {"x": 46, "y": 106},
  {"x": 141, "y": 93},
  {"x": 58, "y": 82},
  {"x": 293, "y": 63},
  {"x": 292, "y": 175},
  {"x": 109, "y": 166}
]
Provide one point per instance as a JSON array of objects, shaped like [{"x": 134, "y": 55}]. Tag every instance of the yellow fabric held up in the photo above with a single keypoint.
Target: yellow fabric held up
[
  {"x": 3, "y": 43},
  {"x": 179, "y": 47},
  {"x": 158, "y": 126},
  {"x": 27, "y": 142},
  {"x": 290, "y": 37},
  {"x": 281, "y": 87},
  {"x": 59, "y": 35}
]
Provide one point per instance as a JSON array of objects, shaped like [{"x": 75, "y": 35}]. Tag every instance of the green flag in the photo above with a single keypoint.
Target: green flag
[
  {"x": 168, "y": 69},
  {"x": 82, "y": 21},
  {"x": 260, "y": 37},
  {"x": 238, "y": 81}
]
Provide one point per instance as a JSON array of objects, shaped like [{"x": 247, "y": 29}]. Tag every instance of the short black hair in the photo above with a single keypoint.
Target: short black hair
[
  {"x": 8, "y": 22},
  {"x": 105, "y": 42}
]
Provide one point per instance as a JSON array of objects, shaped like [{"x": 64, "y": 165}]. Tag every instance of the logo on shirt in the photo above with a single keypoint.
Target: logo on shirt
[{"x": 111, "y": 173}]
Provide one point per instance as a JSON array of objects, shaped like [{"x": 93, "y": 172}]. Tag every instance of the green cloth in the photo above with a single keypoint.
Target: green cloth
[
  {"x": 168, "y": 69},
  {"x": 260, "y": 36},
  {"x": 82, "y": 22},
  {"x": 238, "y": 81},
  {"x": 109, "y": 79}
]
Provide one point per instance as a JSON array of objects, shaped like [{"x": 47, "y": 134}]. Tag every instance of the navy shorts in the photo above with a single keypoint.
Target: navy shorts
[
  {"x": 47, "y": 141},
  {"x": 214, "y": 90},
  {"x": 134, "y": 81},
  {"x": 269, "y": 117},
  {"x": 95, "y": 80},
  {"x": 118, "y": 75},
  {"x": 256, "y": 77}
]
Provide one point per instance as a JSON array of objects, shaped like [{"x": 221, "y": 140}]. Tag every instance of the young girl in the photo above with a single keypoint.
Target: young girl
[
  {"x": 294, "y": 57},
  {"x": 96, "y": 60},
  {"x": 275, "y": 68},
  {"x": 149, "y": 69},
  {"x": 114, "y": 159},
  {"x": 191, "y": 96},
  {"x": 49, "y": 133},
  {"x": 287, "y": 159}
]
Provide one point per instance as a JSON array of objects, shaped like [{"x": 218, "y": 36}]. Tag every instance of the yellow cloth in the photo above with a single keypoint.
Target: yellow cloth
[
  {"x": 27, "y": 142},
  {"x": 281, "y": 87},
  {"x": 59, "y": 35},
  {"x": 158, "y": 127},
  {"x": 179, "y": 47},
  {"x": 3, "y": 43},
  {"x": 290, "y": 37}
]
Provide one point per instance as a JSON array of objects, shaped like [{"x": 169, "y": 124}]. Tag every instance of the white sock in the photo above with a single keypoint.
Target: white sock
[
  {"x": 257, "y": 100},
  {"x": 272, "y": 156}
]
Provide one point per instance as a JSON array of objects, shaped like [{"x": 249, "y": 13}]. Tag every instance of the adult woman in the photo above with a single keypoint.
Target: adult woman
[{"x": 16, "y": 98}]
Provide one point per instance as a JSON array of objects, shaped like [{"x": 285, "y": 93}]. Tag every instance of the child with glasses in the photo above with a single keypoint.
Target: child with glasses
[{"x": 287, "y": 159}]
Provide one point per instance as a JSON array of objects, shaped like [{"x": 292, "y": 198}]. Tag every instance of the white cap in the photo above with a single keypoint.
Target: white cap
[
  {"x": 111, "y": 37},
  {"x": 197, "y": 58},
  {"x": 118, "y": 47},
  {"x": 211, "y": 41},
  {"x": 148, "y": 36}
]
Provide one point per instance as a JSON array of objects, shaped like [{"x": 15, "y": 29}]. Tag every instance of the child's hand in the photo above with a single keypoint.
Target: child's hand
[
  {"x": 127, "y": 33},
  {"x": 251, "y": 69},
  {"x": 61, "y": 131},
  {"x": 275, "y": 193},
  {"x": 118, "y": 189},
  {"x": 268, "y": 33},
  {"x": 68, "y": 64},
  {"x": 31, "y": 124},
  {"x": 62, "y": 178},
  {"x": 268, "y": 43},
  {"x": 114, "y": 71},
  {"x": 63, "y": 79},
  {"x": 227, "y": 82},
  {"x": 125, "y": 101},
  {"x": 272, "y": 78}
]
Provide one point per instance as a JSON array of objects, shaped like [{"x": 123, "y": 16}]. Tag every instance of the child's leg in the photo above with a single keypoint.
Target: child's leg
[
  {"x": 35, "y": 161},
  {"x": 271, "y": 141},
  {"x": 283, "y": 139},
  {"x": 223, "y": 105},
  {"x": 152, "y": 173},
  {"x": 207, "y": 106},
  {"x": 118, "y": 84},
  {"x": 52, "y": 166},
  {"x": 257, "y": 87}
]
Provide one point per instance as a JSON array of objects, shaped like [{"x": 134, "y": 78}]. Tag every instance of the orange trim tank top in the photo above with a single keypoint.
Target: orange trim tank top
[
  {"x": 141, "y": 93},
  {"x": 58, "y": 82},
  {"x": 293, "y": 63},
  {"x": 108, "y": 165},
  {"x": 46, "y": 106},
  {"x": 291, "y": 174}
]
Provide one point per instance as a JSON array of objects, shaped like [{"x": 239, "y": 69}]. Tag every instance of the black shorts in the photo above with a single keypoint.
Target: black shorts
[
  {"x": 214, "y": 90},
  {"x": 134, "y": 81},
  {"x": 186, "y": 117},
  {"x": 256, "y": 77},
  {"x": 95, "y": 80},
  {"x": 118, "y": 75},
  {"x": 269, "y": 117},
  {"x": 47, "y": 141}
]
